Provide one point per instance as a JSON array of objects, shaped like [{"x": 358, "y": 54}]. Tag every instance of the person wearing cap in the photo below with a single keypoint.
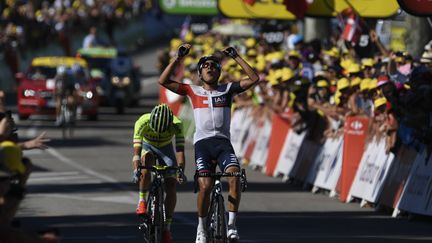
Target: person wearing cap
[
  {"x": 212, "y": 109},
  {"x": 302, "y": 69},
  {"x": 280, "y": 89},
  {"x": 385, "y": 123},
  {"x": 368, "y": 67}
]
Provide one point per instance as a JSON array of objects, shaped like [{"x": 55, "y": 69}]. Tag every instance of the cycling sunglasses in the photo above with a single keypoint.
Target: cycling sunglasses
[{"x": 211, "y": 64}]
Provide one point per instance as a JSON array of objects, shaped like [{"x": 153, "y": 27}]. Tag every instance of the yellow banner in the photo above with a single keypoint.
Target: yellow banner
[
  {"x": 262, "y": 9},
  {"x": 366, "y": 8},
  {"x": 275, "y": 9}
]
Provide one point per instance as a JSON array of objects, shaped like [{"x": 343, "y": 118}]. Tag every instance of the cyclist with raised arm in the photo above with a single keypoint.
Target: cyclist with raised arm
[
  {"x": 153, "y": 134},
  {"x": 212, "y": 112}
]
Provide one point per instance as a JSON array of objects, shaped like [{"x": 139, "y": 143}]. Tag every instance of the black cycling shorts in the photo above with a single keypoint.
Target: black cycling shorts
[{"x": 212, "y": 151}]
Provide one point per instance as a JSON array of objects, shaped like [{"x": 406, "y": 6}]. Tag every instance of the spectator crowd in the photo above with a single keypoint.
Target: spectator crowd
[
  {"x": 28, "y": 25},
  {"x": 315, "y": 85}
]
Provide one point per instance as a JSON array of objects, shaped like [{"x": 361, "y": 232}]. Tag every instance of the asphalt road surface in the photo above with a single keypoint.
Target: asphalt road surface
[{"x": 82, "y": 186}]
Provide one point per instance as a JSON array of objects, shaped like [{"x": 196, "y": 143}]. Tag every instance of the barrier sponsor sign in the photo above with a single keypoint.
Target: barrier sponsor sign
[
  {"x": 397, "y": 176},
  {"x": 353, "y": 148},
  {"x": 305, "y": 160},
  {"x": 259, "y": 155},
  {"x": 372, "y": 172},
  {"x": 187, "y": 117},
  {"x": 240, "y": 123},
  {"x": 289, "y": 153},
  {"x": 279, "y": 132},
  {"x": 326, "y": 171},
  {"x": 417, "y": 195},
  {"x": 173, "y": 100},
  {"x": 197, "y": 7},
  {"x": 250, "y": 142}
]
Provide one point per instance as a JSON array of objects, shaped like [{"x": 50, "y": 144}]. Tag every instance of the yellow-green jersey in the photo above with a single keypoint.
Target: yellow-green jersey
[{"x": 143, "y": 132}]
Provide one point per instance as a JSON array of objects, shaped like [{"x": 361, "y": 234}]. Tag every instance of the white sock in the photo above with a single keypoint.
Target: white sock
[
  {"x": 232, "y": 218},
  {"x": 201, "y": 223}
]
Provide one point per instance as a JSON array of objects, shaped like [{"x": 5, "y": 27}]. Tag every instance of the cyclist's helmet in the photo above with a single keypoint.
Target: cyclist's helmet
[
  {"x": 203, "y": 59},
  {"x": 61, "y": 70},
  {"x": 161, "y": 118}
]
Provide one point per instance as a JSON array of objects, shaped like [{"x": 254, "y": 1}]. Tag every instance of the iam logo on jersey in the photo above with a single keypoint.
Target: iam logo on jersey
[
  {"x": 220, "y": 101},
  {"x": 356, "y": 125}
]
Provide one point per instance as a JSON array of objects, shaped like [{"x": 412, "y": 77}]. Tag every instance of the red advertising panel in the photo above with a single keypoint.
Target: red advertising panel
[
  {"x": 353, "y": 148},
  {"x": 280, "y": 129}
]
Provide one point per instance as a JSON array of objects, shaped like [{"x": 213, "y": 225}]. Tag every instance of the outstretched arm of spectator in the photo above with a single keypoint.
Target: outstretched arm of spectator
[
  {"x": 375, "y": 39},
  {"x": 165, "y": 78},
  {"x": 37, "y": 143},
  {"x": 253, "y": 77}
]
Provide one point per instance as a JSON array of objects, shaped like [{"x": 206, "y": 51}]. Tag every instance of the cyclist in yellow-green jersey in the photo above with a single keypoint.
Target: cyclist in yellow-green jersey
[{"x": 153, "y": 135}]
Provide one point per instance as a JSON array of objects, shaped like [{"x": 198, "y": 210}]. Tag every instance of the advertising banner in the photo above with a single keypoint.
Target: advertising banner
[
  {"x": 189, "y": 7},
  {"x": 397, "y": 176},
  {"x": 288, "y": 155},
  {"x": 279, "y": 132},
  {"x": 372, "y": 172},
  {"x": 330, "y": 170},
  {"x": 353, "y": 148},
  {"x": 240, "y": 123},
  {"x": 259, "y": 155},
  {"x": 326, "y": 165},
  {"x": 173, "y": 100},
  {"x": 417, "y": 195},
  {"x": 305, "y": 160},
  {"x": 276, "y": 9}
]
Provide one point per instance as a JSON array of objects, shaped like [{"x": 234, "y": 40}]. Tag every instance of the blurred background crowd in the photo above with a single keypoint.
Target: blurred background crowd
[
  {"x": 316, "y": 84},
  {"x": 28, "y": 25}
]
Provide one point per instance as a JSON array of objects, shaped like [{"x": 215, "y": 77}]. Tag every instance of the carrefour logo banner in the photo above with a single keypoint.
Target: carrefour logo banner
[{"x": 195, "y": 7}]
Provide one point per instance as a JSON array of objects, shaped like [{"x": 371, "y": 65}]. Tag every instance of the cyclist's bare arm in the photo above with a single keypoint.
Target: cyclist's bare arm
[
  {"x": 253, "y": 77},
  {"x": 165, "y": 78},
  {"x": 136, "y": 157}
]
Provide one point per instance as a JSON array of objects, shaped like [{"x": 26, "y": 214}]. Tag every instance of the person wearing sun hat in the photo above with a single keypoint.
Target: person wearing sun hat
[{"x": 367, "y": 67}]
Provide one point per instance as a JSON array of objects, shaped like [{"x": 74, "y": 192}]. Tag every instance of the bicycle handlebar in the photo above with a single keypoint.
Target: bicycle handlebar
[
  {"x": 158, "y": 168},
  {"x": 218, "y": 175}
]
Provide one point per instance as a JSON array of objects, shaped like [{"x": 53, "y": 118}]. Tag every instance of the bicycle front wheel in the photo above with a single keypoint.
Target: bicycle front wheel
[
  {"x": 156, "y": 210},
  {"x": 217, "y": 224}
]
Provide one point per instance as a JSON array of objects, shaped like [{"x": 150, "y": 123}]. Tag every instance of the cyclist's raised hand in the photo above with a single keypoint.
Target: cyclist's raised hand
[
  {"x": 136, "y": 176},
  {"x": 230, "y": 51},
  {"x": 181, "y": 177},
  {"x": 183, "y": 50}
]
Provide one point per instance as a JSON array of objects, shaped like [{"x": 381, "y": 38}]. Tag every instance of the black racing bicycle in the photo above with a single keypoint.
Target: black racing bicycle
[
  {"x": 216, "y": 217},
  {"x": 67, "y": 117},
  {"x": 152, "y": 223}
]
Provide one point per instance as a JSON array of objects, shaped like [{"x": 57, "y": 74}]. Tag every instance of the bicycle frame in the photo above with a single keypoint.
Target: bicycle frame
[
  {"x": 67, "y": 117},
  {"x": 216, "y": 217},
  {"x": 155, "y": 219}
]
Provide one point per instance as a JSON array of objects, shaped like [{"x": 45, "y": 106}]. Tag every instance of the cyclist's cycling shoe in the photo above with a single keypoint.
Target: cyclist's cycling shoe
[
  {"x": 141, "y": 209},
  {"x": 232, "y": 233},
  {"x": 201, "y": 237},
  {"x": 166, "y": 236}
]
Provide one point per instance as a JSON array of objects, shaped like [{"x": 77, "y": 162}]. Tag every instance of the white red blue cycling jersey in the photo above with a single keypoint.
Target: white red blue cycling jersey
[{"x": 212, "y": 109}]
